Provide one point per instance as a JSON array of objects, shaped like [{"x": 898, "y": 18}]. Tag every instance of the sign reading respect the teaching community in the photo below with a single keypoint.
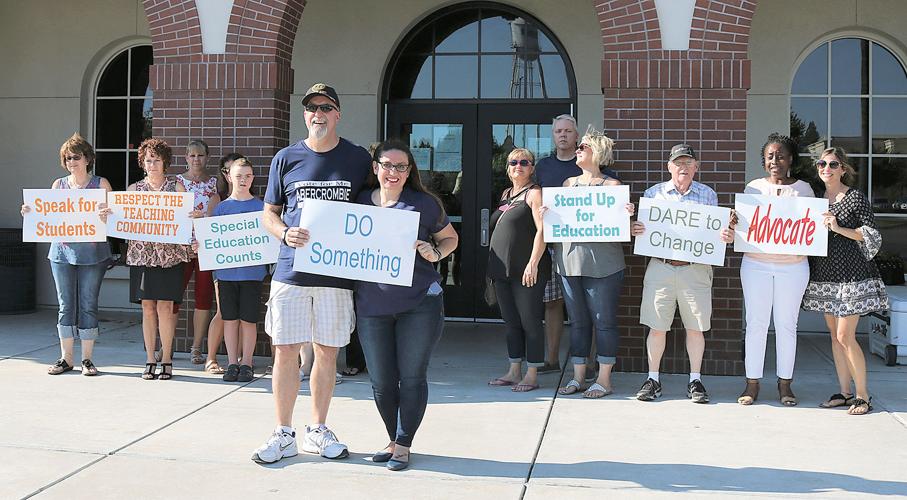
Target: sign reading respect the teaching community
[
  {"x": 157, "y": 216},
  {"x": 359, "y": 242},
  {"x": 780, "y": 225},
  {"x": 589, "y": 213},
  {"x": 63, "y": 215},
  {"x": 238, "y": 240},
  {"x": 682, "y": 231}
]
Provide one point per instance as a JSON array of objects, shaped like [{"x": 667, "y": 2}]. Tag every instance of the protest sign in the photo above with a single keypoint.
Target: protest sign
[
  {"x": 360, "y": 242},
  {"x": 588, "y": 213},
  {"x": 157, "y": 216},
  {"x": 238, "y": 240},
  {"x": 682, "y": 231},
  {"x": 63, "y": 215},
  {"x": 780, "y": 225}
]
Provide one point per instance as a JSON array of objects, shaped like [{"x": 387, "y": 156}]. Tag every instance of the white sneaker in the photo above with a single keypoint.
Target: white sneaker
[
  {"x": 322, "y": 441},
  {"x": 280, "y": 444}
]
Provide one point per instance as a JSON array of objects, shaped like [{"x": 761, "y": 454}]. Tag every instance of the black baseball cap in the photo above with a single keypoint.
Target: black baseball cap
[
  {"x": 681, "y": 150},
  {"x": 321, "y": 89}
]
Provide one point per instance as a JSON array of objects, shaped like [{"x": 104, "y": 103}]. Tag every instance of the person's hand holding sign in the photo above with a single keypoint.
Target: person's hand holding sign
[
  {"x": 103, "y": 212},
  {"x": 631, "y": 209},
  {"x": 427, "y": 251},
  {"x": 830, "y": 221},
  {"x": 295, "y": 237},
  {"x": 637, "y": 228}
]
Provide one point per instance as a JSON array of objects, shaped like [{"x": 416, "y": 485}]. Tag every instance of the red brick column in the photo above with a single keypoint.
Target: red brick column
[
  {"x": 655, "y": 98},
  {"x": 237, "y": 101}
]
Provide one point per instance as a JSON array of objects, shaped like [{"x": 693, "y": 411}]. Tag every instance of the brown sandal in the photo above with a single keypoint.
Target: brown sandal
[
  {"x": 214, "y": 368},
  {"x": 59, "y": 366},
  {"x": 751, "y": 393},
  {"x": 785, "y": 393}
]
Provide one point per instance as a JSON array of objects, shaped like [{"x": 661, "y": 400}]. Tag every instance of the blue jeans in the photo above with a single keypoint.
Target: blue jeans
[
  {"x": 592, "y": 303},
  {"x": 77, "y": 292},
  {"x": 397, "y": 349}
]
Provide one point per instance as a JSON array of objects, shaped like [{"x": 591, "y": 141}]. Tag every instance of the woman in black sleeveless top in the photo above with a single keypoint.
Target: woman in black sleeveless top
[{"x": 519, "y": 266}]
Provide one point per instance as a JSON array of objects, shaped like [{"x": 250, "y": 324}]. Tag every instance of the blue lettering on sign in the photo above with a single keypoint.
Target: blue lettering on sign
[
  {"x": 366, "y": 258},
  {"x": 354, "y": 224}
]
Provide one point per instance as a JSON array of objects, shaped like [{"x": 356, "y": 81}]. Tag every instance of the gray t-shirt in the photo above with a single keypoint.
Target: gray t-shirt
[{"x": 590, "y": 259}]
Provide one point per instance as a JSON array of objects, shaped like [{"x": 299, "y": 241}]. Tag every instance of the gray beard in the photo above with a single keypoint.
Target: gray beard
[{"x": 318, "y": 132}]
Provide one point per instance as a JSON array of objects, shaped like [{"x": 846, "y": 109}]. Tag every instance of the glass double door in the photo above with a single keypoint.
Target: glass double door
[{"x": 461, "y": 151}]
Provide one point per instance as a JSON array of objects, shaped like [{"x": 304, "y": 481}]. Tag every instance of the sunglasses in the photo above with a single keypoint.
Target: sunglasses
[
  {"x": 834, "y": 164},
  {"x": 583, "y": 146},
  {"x": 325, "y": 108},
  {"x": 399, "y": 167},
  {"x": 73, "y": 158},
  {"x": 522, "y": 163}
]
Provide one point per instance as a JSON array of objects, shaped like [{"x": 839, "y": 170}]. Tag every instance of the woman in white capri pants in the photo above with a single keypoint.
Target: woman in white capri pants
[{"x": 773, "y": 285}]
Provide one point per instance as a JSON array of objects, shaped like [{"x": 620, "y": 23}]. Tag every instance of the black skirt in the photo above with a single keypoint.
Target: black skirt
[{"x": 156, "y": 283}]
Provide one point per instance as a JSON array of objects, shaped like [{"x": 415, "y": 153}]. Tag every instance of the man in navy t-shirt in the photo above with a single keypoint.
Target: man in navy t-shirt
[{"x": 306, "y": 307}]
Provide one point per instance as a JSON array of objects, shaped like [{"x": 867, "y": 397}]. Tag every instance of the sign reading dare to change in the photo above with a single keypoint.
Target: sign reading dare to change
[
  {"x": 238, "y": 240},
  {"x": 63, "y": 215},
  {"x": 360, "y": 242},
  {"x": 588, "y": 213},
  {"x": 780, "y": 225},
  {"x": 161, "y": 217},
  {"x": 682, "y": 231}
]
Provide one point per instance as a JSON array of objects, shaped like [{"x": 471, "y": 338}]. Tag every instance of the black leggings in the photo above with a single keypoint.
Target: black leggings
[{"x": 523, "y": 311}]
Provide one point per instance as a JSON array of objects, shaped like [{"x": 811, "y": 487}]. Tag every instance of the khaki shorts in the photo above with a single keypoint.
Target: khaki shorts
[
  {"x": 665, "y": 287},
  {"x": 299, "y": 314}
]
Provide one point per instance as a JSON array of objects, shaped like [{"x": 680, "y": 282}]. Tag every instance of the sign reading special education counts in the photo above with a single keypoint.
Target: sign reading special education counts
[
  {"x": 360, "y": 242},
  {"x": 780, "y": 225},
  {"x": 588, "y": 213},
  {"x": 157, "y": 216},
  {"x": 238, "y": 240},
  {"x": 63, "y": 215},
  {"x": 682, "y": 231}
]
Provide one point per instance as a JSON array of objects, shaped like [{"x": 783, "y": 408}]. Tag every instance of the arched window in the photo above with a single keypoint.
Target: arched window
[
  {"x": 852, "y": 93},
  {"x": 122, "y": 115}
]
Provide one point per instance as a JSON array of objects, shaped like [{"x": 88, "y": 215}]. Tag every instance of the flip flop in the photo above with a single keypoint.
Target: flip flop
[
  {"x": 836, "y": 400},
  {"x": 500, "y": 382},
  {"x": 596, "y": 391},
  {"x": 524, "y": 387},
  {"x": 572, "y": 387}
]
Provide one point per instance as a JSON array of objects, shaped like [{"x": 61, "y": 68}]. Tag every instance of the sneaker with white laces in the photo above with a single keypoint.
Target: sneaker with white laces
[
  {"x": 323, "y": 441},
  {"x": 280, "y": 444},
  {"x": 696, "y": 392}
]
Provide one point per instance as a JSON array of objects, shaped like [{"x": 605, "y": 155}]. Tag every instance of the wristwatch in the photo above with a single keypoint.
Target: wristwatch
[{"x": 284, "y": 237}]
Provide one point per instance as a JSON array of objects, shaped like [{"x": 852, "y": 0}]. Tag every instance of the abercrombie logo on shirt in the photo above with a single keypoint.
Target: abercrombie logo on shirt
[{"x": 322, "y": 190}]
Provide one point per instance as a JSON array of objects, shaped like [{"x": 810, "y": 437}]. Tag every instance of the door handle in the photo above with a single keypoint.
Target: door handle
[{"x": 484, "y": 237}]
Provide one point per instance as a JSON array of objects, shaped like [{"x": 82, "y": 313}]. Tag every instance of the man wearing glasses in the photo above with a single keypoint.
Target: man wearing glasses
[{"x": 306, "y": 307}]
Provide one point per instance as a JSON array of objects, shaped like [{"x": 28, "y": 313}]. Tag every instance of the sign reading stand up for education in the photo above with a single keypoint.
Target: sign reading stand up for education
[
  {"x": 157, "y": 216},
  {"x": 237, "y": 240},
  {"x": 682, "y": 231},
  {"x": 360, "y": 242},
  {"x": 780, "y": 225},
  {"x": 63, "y": 215},
  {"x": 588, "y": 213}
]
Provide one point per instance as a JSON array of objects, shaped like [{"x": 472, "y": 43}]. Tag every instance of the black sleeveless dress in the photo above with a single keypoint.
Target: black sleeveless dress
[{"x": 512, "y": 234}]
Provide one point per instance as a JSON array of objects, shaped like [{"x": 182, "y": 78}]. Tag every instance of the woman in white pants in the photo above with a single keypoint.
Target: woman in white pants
[{"x": 773, "y": 285}]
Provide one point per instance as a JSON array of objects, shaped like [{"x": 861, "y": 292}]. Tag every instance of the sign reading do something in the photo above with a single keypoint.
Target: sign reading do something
[
  {"x": 63, "y": 215},
  {"x": 360, "y": 242},
  {"x": 588, "y": 213},
  {"x": 238, "y": 240},
  {"x": 157, "y": 216},
  {"x": 682, "y": 231},
  {"x": 780, "y": 225}
]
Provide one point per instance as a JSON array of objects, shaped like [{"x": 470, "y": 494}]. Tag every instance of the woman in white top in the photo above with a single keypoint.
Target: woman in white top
[{"x": 773, "y": 285}]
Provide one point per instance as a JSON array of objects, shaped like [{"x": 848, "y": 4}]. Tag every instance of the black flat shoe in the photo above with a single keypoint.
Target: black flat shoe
[
  {"x": 396, "y": 465},
  {"x": 382, "y": 456}
]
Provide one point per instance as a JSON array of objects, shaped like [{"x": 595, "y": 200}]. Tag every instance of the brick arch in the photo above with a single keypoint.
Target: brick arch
[
  {"x": 721, "y": 29},
  {"x": 629, "y": 28},
  {"x": 175, "y": 32},
  {"x": 263, "y": 30}
]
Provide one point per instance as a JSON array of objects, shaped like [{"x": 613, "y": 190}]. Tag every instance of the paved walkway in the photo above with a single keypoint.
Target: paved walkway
[{"x": 117, "y": 436}]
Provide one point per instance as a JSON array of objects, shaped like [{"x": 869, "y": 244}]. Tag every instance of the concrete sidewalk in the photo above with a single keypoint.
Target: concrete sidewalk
[{"x": 117, "y": 436}]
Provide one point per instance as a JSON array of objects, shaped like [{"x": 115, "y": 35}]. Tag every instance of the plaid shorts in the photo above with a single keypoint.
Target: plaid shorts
[
  {"x": 553, "y": 289},
  {"x": 299, "y": 314}
]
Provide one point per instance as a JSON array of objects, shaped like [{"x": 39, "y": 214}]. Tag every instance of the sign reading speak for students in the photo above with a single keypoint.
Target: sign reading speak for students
[
  {"x": 63, "y": 215},
  {"x": 780, "y": 225},
  {"x": 238, "y": 240},
  {"x": 360, "y": 242},
  {"x": 682, "y": 231},
  {"x": 157, "y": 216},
  {"x": 588, "y": 213}
]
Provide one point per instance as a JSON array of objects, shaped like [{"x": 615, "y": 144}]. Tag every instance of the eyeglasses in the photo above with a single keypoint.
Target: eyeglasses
[
  {"x": 325, "y": 108},
  {"x": 834, "y": 164},
  {"x": 582, "y": 146},
  {"x": 522, "y": 163},
  {"x": 399, "y": 167},
  {"x": 73, "y": 158}
]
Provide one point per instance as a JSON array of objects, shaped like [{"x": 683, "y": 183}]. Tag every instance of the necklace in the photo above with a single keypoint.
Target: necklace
[
  {"x": 78, "y": 185},
  {"x": 152, "y": 186}
]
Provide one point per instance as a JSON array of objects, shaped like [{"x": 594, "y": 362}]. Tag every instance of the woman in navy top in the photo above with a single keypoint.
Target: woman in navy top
[{"x": 399, "y": 326}]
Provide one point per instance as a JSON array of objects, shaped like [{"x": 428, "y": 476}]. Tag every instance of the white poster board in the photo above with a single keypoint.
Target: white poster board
[
  {"x": 682, "y": 231},
  {"x": 780, "y": 225},
  {"x": 237, "y": 240},
  {"x": 588, "y": 213},
  {"x": 63, "y": 215},
  {"x": 360, "y": 242},
  {"x": 156, "y": 216}
]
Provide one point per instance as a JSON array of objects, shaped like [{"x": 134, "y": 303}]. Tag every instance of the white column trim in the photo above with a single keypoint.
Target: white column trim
[
  {"x": 213, "y": 19},
  {"x": 675, "y": 18}
]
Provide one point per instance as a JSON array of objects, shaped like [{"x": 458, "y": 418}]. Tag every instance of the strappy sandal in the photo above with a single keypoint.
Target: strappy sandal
[
  {"x": 214, "y": 368},
  {"x": 572, "y": 387},
  {"x": 59, "y": 366},
  {"x": 860, "y": 407},
  {"x": 751, "y": 393},
  {"x": 166, "y": 371},
  {"x": 88, "y": 368},
  {"x": 836, "y": 400},
  {"x": 148, "y": 374},
  {"x": 196, "y": 357},
  {"x": 785, "y": 394}
]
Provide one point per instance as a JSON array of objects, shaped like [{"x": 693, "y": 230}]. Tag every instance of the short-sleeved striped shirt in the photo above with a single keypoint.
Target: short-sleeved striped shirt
[{"x": 698, "y": 193}]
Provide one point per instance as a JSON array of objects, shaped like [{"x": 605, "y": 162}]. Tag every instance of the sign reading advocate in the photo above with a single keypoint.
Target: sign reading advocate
[
  {"x": 360, "y": 242},
  {"x": 63, "y": 215},
  {"x": 158, "y": 216},
  {"x": 588, "y": 213},
  {"x": 780, "y": 225},
  {"x": 238, "y": 240},
  {"x": 682, "y": 231}
]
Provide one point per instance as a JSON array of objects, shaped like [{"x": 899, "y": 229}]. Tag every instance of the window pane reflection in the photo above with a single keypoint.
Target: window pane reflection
[
  {"x": 850, "y": 123},
  {"x": 112, "y": 165},
  {"x": 113, "y": 81},
  {"x": 812, "y": 75},
  {"x": 141, "y": 60},
  {"x": 850, "y": 66},
  {"x": 889, "y": 185},
  {"x": 888, "y": 75},
  {"x": 456, "y": 77},
  {"x": 809, "y": 122},
  {"x": 889, "y": 126},
  {"x": 412, "y": 78},
  {"x": 452, "y": 36},
  {"x": 555, "y": 76},
  {"x": 139, "y": 121},
  {"x": 861, "y": 165},
  {"x": 535, "y": 137},
  {"x": 111, "y": 124}
]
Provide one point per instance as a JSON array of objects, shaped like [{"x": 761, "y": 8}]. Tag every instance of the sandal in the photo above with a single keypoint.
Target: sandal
[
  {"x": 500, "y": 382},
  {"x": 88, "y": 368},
  {"x": 751, "y": 393},
  {"x": 860, "y": 407},
  {"x": 596, "y": 391},
  {"x": 836, "y": 400},
  {"x": 351, "y": 372},
  {"x": 166, "y": 371},
  {"x": 572, "y": 387},
  {"x": 196, "y": 356},
  {"x": 214, "y": 368},
  {"x": 148, "y": 374},
  {"x": 785, "y": 393},
  {"x": 59, "y": 366},
  {"x": 524, "y": 387}
]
